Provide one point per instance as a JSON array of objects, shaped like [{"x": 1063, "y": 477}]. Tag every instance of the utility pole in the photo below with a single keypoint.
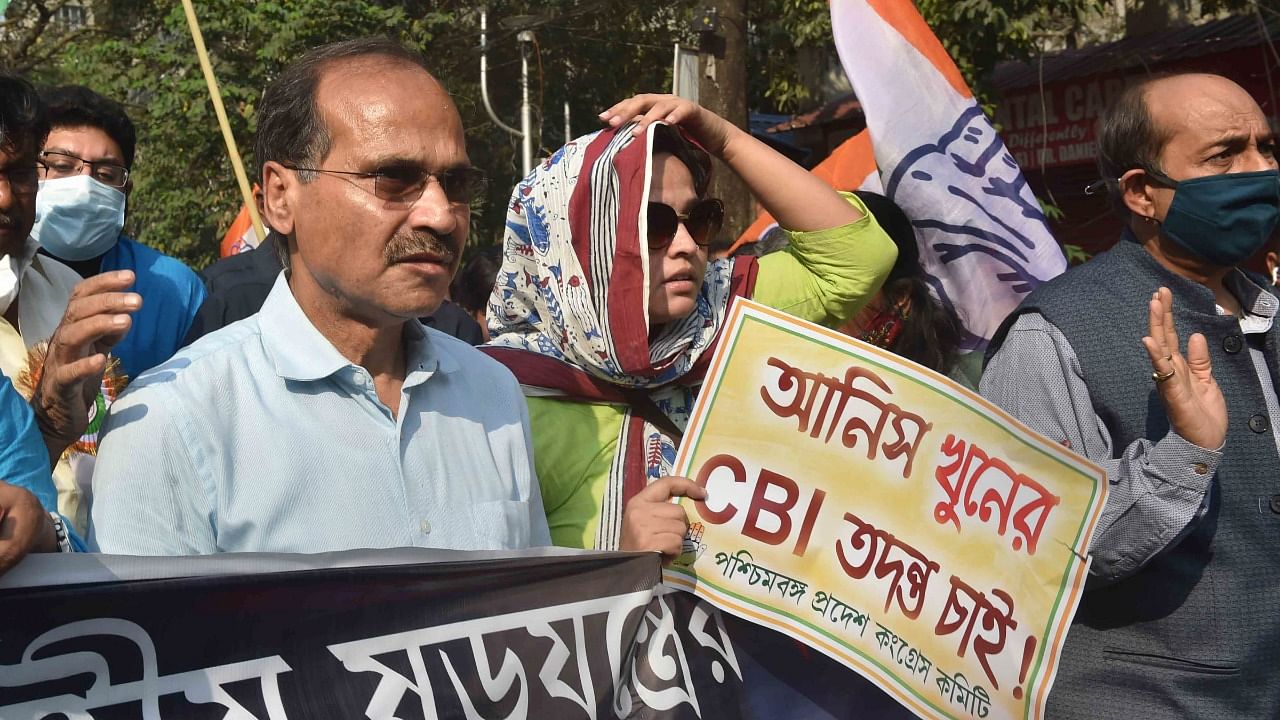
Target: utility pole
[
  {"x": 525, "y": 133},
  {"x": 526, "y": 108},
  {"x": 722, "y": 89}
]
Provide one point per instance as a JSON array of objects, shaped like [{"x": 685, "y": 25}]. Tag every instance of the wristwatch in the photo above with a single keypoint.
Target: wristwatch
[{"x": 60, "y": 529}]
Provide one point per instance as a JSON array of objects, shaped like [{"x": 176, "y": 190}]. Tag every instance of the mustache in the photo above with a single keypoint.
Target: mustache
[{"x": 416, "y": 242}]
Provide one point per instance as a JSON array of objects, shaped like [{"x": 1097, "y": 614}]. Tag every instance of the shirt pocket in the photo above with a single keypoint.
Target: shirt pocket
[{"x": 501, "y": 524}]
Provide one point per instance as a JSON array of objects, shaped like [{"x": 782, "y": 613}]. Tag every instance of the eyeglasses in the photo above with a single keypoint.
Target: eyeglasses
[
  {"x": 23, "y": 180},
  {"x": 406, "y": 184},
  {"x": 56, "y": 165},
  {"x": 702, "y": 223}
]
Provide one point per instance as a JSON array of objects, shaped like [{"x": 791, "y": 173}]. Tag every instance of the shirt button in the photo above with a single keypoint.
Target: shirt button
[
  {"x": 1258, "y": 423},
  {"x": 425, "y": 526},
  {"x": 1275, "y": 504},
  {"x": 1200, "y": 468},
  {"x": 1233, "y": 343}
]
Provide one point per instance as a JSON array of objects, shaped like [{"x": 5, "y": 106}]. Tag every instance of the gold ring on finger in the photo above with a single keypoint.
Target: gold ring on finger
[{"x": 1161, "y": 377}]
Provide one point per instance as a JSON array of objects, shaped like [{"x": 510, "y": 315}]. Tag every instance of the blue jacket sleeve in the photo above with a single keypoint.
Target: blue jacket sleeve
[{"x": 24, "y": 461}]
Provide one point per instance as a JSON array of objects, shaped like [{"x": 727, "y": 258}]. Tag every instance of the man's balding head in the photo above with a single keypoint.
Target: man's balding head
[
  {"x": 1128, "y": 138},
  {"x": 364, "y": 176},
  {"x": 291, "y": 125},
  {"x": 1179, "y": 127},
  {"x": 291, "y": 128}
]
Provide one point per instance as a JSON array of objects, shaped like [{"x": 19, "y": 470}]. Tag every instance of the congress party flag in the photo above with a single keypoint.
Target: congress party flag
[
  {"x": 983, "y": 238},
  {"x": 241, "y": 236}
]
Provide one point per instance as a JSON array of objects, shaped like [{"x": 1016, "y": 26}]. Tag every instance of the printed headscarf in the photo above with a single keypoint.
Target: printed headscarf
[{"x": 569, "y": 312}]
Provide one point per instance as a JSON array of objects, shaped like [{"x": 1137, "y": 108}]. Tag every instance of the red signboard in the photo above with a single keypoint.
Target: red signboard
[{"x": 1058, "y": 127}]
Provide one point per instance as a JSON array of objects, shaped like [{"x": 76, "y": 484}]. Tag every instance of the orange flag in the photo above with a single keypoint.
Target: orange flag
[{"x": 241, "y": 236}]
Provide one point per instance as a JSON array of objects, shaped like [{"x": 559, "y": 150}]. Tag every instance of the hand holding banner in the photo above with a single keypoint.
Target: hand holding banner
[{"x": 885, "y": 516}]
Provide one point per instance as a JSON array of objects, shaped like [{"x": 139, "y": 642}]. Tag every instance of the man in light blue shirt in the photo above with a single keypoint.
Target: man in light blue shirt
[{"x": 333, "y": 419}]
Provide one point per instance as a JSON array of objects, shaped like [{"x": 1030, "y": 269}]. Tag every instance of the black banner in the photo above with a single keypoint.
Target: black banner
[{"x": 578, "y": 636}]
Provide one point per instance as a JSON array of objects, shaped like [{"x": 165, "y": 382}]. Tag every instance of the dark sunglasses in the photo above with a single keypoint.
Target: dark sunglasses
[
  {"x": 702, "y": 223},
  {"x": 406, "y": 184}
]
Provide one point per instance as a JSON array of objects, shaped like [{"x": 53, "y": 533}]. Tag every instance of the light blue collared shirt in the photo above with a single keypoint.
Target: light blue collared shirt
[{"x": 261, "y": 437}]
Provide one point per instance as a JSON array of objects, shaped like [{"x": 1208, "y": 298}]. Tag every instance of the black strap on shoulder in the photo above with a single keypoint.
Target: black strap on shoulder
[{"x": 646, "y": 408}]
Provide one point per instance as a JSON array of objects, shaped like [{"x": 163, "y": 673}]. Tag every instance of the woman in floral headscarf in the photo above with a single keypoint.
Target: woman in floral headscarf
[{"x": 607, "y": 307}]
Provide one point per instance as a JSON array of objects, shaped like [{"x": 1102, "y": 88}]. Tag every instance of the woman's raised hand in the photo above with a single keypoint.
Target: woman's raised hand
[
  {"x": 710, "y": 130},
  {"x": 798, "y": 199}
]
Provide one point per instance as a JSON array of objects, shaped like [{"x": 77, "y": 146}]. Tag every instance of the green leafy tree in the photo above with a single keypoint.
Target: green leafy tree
[
  {"x": 35, "y": 33},
  {"x": 791, "y": 40},
  {"x": 184, "y": 190},
  {"x": 590, "y": 53},
  {"x": 789, "y": 43},
  {"x": 981, "y": 33}
]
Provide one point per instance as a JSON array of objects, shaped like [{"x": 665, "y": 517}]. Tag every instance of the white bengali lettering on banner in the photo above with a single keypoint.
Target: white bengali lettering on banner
[
  {"x": 201, "y": 686},
  {"x": 648, "y": 663},
  {"x": 359, "y": 655},
  {"x": 659, "y": 674}
]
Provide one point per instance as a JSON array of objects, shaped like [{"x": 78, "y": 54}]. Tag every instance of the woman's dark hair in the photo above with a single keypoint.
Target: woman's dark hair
[
  {"x": 667, "y": 139},
  {"x": 73, "y": 106},
  {"x": 931, "y": 332},
  {"x": 474, "y": 282}
]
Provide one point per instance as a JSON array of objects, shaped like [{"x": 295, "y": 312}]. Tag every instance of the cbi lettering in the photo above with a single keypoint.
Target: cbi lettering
[{"x": 795, "y": 513}]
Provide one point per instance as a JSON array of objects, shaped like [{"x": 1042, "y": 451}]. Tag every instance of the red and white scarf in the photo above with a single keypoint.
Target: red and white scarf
[{"x": 569, "y": 314}]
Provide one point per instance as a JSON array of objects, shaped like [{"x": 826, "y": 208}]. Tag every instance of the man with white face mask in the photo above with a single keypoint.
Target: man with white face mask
[
  {"x": 85, "y": 182},
  {"x": 43, "y": 300}
]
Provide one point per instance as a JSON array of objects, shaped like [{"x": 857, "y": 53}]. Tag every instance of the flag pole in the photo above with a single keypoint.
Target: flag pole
[{"x": 245, "y": 192}]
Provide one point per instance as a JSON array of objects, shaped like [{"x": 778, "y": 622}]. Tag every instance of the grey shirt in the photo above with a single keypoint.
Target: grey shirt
[{"x": 1158, "y": 489}]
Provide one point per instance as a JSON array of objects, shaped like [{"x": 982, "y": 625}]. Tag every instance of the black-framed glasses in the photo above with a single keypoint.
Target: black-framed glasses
[
  {"x": 702, "y": 222},
  {"x": 23, "y": 180},
  {"x": 55, "y": 164},
  {"x": 406, "y": 184}
]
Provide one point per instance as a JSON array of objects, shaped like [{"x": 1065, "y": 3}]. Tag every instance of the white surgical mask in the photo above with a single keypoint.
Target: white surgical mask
[{"x": 77, "y": 218}]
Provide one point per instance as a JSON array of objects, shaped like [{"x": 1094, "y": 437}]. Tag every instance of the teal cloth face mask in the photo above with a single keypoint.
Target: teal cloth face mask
[
  {"x": 1223, "y": 219},
  {"x": 77, "y": 218}
]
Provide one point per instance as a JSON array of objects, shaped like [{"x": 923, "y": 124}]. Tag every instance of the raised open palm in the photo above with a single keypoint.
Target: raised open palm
[{"x": 1192, "y": 399}]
